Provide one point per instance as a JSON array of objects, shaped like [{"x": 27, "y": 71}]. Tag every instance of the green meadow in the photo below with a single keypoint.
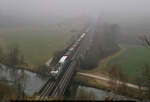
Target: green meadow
[
  {"x": 38, "y": 44},
  {"x": 132, "y": 60}
]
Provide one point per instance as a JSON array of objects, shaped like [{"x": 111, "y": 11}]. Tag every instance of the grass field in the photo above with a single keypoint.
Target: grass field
[
  {"x": 38, "y": 43},
  {"x": 132, "y": 60}
]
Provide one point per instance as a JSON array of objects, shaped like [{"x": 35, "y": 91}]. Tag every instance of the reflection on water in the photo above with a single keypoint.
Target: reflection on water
[
  {"x": 33, "y": 82},
  {"x": 101, "y": 95}
]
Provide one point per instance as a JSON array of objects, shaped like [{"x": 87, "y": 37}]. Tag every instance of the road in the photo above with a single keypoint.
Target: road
[{"x": 107, "y": 79}]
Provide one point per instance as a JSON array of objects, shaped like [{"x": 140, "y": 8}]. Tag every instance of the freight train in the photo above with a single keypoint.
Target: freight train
[{"x": 65, "y": 60}]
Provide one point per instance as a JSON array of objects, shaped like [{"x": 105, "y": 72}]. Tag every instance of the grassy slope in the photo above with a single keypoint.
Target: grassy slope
[
  {"x": 38, "y": 44},
  {"x": 133, "y": 59},
  {"x": 102, "y": 65}
]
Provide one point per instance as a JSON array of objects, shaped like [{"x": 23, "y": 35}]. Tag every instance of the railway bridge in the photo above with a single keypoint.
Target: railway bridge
[{"x": 57, "y": 88}]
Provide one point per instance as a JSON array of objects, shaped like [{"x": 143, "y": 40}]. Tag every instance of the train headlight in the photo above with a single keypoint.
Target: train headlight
[{"x": 54, "y": 73}]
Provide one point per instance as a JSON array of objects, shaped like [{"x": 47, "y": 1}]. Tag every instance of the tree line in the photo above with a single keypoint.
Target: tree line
[
  {"x": 104, "y": 42},
  {"x": 12, "y": 57},
  {"x": 141, "y": 81}
]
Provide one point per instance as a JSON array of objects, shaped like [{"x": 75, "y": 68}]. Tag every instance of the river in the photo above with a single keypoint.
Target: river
[
  {"x": 33, "y": 82},
  {"x": 101, "y": 95}
]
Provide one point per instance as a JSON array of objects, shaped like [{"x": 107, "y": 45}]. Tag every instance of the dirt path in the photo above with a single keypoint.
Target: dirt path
[
  {"x": 104, "y": 77},
  {"x": 107, "y": 80}
]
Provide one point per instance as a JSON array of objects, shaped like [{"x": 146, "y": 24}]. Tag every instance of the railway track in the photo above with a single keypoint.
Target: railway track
[
  {"x": 55, "y": 88},
  {"x": 58, "y": 87},
  {"x": 62, "y": 82},
  {"x": 47, "y": 90},
  {"x": 67, "y": 76}
]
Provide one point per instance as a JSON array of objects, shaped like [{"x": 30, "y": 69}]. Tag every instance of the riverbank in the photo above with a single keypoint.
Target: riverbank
[
  {"x": 31, "y": 82},
  {"x": 105, "y": 84},
  {"x": 88, "y": 93},
  {"x": 118, "y": 88},
  {"x": 25, "y": 68},
  {"x": 10, "y": 94},
  {"x": 132, "y": 62},
  {"x": 102, "y": 66}
]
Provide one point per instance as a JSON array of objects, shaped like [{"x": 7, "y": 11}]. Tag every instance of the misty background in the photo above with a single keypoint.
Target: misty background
[
  {"x": 32, "y": 32},
  {"x": 132, "y": 15}
]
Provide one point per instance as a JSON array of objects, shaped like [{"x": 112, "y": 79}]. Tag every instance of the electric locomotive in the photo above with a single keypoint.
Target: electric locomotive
[{"x": 65, "y": 60}]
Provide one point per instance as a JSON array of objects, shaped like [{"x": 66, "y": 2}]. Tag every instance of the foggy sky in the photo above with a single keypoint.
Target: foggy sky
[{"x": 119, "y": 11}]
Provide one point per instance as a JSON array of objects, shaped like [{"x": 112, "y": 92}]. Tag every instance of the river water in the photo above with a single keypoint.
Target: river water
[
  {"x": 101, "y": 95},
  {"x": 32, "y": 82}
]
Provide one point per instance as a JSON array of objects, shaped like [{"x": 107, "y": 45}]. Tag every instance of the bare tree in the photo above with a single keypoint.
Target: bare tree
[
  {"x": 14, "y": 55},
  {"x": 116, "y": 75},
  {"x": 21, "y": 59},
  {"x": 1, "y": 50},
  {"x": 139, "y": 82},
  {"x": 146, "y": 74},
  {"x": 1, "y": 54},
  {"x": 145, "y": 40},
  {"x": 146, "y": 80}
]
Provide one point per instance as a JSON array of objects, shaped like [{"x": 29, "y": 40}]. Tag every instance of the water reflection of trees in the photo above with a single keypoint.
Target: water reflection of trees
[
  {"x": 41, "y": 77},
  {"x": 1, "y": 67},
  {"x": 13, "y": 74},
  {"x": 84, "y": 95},
  {"x": 20, "y": 78},
  {"x": 21, "y": 82}
]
